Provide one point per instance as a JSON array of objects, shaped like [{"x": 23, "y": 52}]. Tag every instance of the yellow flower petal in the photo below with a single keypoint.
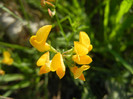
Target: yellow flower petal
[
  {"x": 82, "y": 77},
  {"x": 78, "y": 73},
  {"x": 82, "y": 59},
  {"x": 43, "y": 59},
  {"x": 84, "y": 39},
  {"x": 60, "y": 72},
  {"x": 6, "y": 54},
  {"x": 7, "y": 59},
  {"x": 39, "y": 40},
  {"x": 44, "y": 69},
  {"x": 90, "y": 48},
  {"x": 85, "y": 67},
  {"x": 43, "y": 33},
  {"x": 80, "y": 49},
  {"x": 57, "y": 65},
  {"x": 73, "y": 69},
  {"x": 10, "y": 61},
  {"x": 57, "y": 62},
  {"x": 80, "y": 70}
]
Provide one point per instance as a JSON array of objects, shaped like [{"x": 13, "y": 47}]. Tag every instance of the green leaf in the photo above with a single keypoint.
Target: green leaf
[
  {"x": 106, "y": 17},
  {"x": 124, "y": 8},
  {"x": 122, "y": 61},
  {"x": 19, "y": 85},
  {"x": 11, "y": 77}
]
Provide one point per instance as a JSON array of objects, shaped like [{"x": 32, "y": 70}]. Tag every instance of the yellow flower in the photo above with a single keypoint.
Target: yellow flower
[
  {"x": 85, "y": 59},
  {"x": 39, "y": 40},
  {"x": 2, "y": 72},
  {"x": 78, "y": 72},
  {"x": 80, "y": 49},
  {"x": 44, "y": 62},
  {"x": 7, "y": 59},
  {"x": 85, "y": 40},
  {"x": 57, "y": 65}
]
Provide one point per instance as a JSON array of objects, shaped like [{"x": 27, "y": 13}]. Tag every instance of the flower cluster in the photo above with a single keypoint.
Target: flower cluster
[
  {"x": 6, "y": 60},
  {"x": 78, "y": 54},
  {"x": 81, "y": 49}
]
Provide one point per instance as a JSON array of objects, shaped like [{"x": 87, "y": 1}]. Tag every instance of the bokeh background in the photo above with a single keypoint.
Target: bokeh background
[{"x": 109, "y": 24}]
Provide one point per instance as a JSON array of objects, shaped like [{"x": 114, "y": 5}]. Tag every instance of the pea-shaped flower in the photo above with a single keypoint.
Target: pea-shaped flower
[
  {"x": 44, "y": 62},
  {"x": 81, "y": 49},
  {"x": 78, "y": 72},
  {"x": 85, "y": 59},
  {"x": 57, "y": 65},
  {"x": 39, "y": 40},
  {"x": 85, "y": 40}
]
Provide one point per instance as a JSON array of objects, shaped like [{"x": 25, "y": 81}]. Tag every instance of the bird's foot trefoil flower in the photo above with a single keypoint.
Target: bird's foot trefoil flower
[
  {"x": 79, "y": 55},
  {"x": 78, "y": 72},
  {"x": 56, "y": 64},
  {"x": 39, "y": 40}
]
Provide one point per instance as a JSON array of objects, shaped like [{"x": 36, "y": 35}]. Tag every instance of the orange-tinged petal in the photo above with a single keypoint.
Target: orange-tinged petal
[
  {"x": 73, "y": 69},
  {"x": 60, "y": 72},
  {"x": 44, "y": 69},
  {"x": 57, "y": 62},
  {"x": 80, "y": 49},
  {"x": 78, "y": 73},
  {"x": 80, "y": 70},
  {"x": 85, "y": 59},
  {"x": 84, "y": 39},
  {"x": 43, "y": 59},
  {"x": 82, "y": 77},
  {"x": 39, "y": 40}
]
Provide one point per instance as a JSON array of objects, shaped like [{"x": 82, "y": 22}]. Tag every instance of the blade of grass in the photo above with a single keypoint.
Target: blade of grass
[
  {"x": 29, "y": 50},
  {"x": 124, "y": 8},
  {"x": 118, "y": 58},
  {"x": 11, "y": 77},
  {"x": 106, "y": 18},
  {"x": 7, "y": 10}
]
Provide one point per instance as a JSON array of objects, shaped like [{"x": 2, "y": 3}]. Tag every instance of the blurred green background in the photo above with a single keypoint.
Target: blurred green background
[{"x": 109, "y": 24}]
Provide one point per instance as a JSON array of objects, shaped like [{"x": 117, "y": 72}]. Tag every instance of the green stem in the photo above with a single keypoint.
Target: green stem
[
  {"x": 52, "y": 49},
  {"x": 62, "y": 31},
  {"x": 69, "y": 51},
  {"x": 7, "y": 10},
  {"x": 58, "y": 21}
]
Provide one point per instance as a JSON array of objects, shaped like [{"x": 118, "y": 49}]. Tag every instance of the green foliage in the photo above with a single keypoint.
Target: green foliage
[{"x": 109, "y": 24}]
